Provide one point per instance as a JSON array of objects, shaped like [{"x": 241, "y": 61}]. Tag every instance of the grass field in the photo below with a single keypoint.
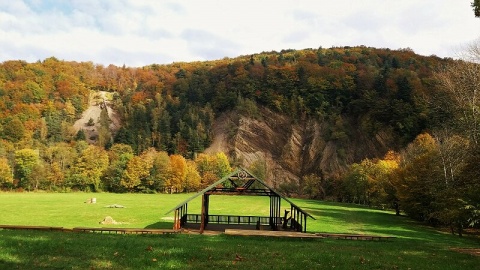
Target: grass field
[{"x": 416, "y": 246}]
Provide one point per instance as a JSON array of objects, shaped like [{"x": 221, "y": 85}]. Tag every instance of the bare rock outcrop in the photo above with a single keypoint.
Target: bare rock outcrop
[{"x": 289, "y": 148}]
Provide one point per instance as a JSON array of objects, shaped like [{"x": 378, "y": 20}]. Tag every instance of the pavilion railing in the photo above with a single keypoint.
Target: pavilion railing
[
  {"x": 295, "y": 225},
  {"x": 228, "y": 219}
]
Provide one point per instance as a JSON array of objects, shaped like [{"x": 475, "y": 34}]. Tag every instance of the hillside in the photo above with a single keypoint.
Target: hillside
[{"x": 298, "y": 111}]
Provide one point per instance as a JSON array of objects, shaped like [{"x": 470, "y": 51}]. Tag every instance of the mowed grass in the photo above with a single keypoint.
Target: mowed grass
[
  {"x": 140, "y": 210},
  {"x": 416, "y": 246}
]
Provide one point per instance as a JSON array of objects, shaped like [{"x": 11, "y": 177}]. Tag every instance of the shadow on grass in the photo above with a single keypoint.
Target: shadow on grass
[
  {"x": 379, "y": 222},
  {"x": 163, "y": 224}
]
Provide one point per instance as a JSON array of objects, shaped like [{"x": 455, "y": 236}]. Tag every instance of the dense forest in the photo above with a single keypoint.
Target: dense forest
[{"x": 167, "y": 112}]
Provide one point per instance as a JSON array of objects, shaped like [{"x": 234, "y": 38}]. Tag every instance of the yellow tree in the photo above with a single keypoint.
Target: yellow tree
[
  {"x": 6, "y": 173},
  {"x": 385, "y": 170},
  {"x": 178, "y": 169},
  {"x": 417, "y": 183},
  {"x": 138, "y": 169},
  {"x": 55, "y": 175},
  {"x": 212, "y": 167},
  {"x": 192, "y": 177},
  {"x": 133, "y": 173}
]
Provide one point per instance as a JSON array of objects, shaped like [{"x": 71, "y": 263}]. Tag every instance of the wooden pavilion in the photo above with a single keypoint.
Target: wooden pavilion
[{"x": 241, "y": 182}]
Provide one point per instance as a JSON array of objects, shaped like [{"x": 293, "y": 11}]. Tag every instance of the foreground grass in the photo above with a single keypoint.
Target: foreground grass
[
  {"x": 54, "y": 250},
  {"x": 417, "y": 247}
]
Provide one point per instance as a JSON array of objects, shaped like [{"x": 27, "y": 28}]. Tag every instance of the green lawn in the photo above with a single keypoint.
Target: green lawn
[{"x": 417, "y": 247}]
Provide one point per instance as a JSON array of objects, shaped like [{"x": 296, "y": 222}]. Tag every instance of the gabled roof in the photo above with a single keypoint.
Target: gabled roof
[{"x": 240, "y": 176}]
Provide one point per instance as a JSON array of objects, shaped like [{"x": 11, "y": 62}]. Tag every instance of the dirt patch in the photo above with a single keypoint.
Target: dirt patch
[
  {"x": 108, "y": 220},
  {"x": 471, "y": 251}
]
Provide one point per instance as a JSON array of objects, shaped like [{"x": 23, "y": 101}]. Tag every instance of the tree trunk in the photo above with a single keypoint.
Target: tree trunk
[{"x": 460, "y": 229}]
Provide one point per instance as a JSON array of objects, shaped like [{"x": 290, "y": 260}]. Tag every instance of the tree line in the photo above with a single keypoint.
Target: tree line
[{"x": 64, "y": 167}]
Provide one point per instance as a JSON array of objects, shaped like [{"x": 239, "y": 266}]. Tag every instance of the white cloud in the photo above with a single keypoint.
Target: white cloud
[{"x": 141, "y": 32}]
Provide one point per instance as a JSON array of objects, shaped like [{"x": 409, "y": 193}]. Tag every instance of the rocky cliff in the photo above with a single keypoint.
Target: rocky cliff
[{"x": 291, "y": 149}]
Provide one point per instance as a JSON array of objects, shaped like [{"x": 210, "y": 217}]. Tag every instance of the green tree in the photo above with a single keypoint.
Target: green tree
[
  {"x": 119, "y": 149},
  {"x": 357, "y": 184},
  {"x": 104, "y": 133},
  {"x": 37, "y": 177},
  {"x": 259, "y": 168},
  {"x": 81, "y": 136},
  {"x": 91, "y": 122},
  {"x": 13, "y": 130},
  {"x": 25, "y": 162},
  {"x": 87, "y": 171},
  {"x": 312, "y": 187},
  {"x": 222, "y": 165},
  {"x": 116, "y": 171},
  {"x": 160, "y": 173},
  {"x": 54, "y": 120}
]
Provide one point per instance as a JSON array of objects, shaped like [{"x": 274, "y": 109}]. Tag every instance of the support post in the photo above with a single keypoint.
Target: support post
[
  {"x": 292, "y": 218},
  {"x": 207, "y": 208},
  {"x": 305, "y": 223},
  {"x": 202, "y": 224},
  {"x": 176, "y": 220}
]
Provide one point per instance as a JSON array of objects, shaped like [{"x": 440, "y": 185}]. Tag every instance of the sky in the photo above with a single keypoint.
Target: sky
[{"x": 143, "y": 32}]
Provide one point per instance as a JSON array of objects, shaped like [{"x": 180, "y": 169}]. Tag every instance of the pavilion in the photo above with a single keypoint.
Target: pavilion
[{"x": 242, "y": 182}]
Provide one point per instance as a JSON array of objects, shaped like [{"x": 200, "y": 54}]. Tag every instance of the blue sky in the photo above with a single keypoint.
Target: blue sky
[{"x": 142, "y": 32}]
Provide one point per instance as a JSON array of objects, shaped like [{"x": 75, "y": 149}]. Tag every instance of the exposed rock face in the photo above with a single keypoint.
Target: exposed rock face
[
  {"x": 98, "y": 102},
  {"x": 290, "y": 149}
]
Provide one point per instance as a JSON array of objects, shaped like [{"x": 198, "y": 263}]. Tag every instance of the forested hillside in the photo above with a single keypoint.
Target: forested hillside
[
  {"x": 172, "y": 107},
  {"x": 342, "y": 116}
]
